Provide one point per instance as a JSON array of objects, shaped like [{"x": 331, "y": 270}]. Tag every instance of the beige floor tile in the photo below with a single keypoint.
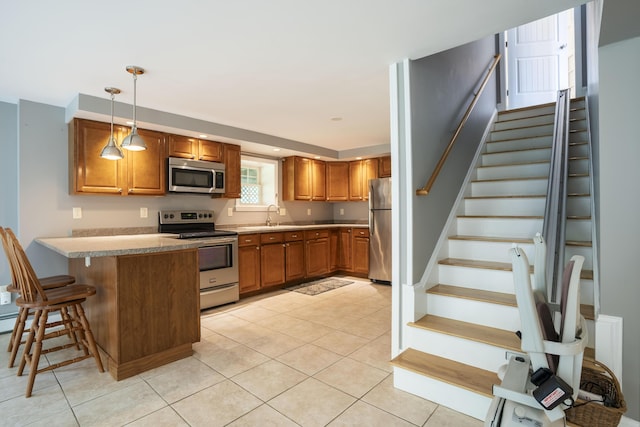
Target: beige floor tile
[
  {"x": 254, "y": 313},
  {"x": 165, "y": 417},
  {"x": 340, "y": 342},
  {"x": 217, "y": 405},
  {"x": 269, "y": 379},
  {"x": 352, "y": 377},
  {"x": 59, "y": 419},
  {"x": 306, "y": 331},
  {"x": 365, "y": 328},
  {"x": 312, "y": 403},
  {"x": 376, "y": 353},
  {"x": 363, "y": 414},
  {"x": 309, "y": 358},
  {"x": 274, "y": 344},
  {"x": 39, "y": 407},
  {"x": 445, "y": 417},
  {"x": 223, "y": 322},
  {"x": 183, "y": 378},
  {"x": 119, "y": 407},
  {"x": 231, "y": 362},
  {"x": 263, "y": 416},
  {"x": 245, "y": 334},
  {"x": 400, "y": 403},
  {"x": 14, "y": 386}
]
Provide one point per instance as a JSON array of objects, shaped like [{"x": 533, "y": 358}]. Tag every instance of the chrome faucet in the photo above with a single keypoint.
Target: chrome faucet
[{"x": 269, "y": 214}]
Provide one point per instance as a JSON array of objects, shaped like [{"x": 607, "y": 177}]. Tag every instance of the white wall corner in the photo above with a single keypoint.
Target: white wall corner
[{"x": 609, "y": 342}]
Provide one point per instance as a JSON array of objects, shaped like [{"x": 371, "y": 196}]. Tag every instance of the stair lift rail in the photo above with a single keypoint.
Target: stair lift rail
[{"x": 555, "y": 213}]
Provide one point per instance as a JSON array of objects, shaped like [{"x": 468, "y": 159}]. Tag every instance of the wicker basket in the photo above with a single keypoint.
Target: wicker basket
[{"x": 597, "y": 378}]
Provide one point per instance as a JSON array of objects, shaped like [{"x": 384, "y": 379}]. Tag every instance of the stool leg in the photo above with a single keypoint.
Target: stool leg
[
  {"x": 13, "y": 333},
  {"x": 68, "y": 324},
  {"x": 35, "y": 358},
  {"x": 89, "y": 336},
  {"x": 16, "y": 338},
  {"x": 30, "y": 337}
]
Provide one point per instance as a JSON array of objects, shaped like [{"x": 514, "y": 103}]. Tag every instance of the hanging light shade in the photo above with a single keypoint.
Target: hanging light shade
[
  {"x": 133, "y": 141},
  {"x": 111, "y": 151}
]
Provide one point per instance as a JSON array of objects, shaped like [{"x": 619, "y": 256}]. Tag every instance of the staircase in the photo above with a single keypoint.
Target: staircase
[{"x": 469, "y": 330}]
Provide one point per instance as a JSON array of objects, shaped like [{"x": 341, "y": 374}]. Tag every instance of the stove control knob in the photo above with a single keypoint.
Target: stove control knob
[
  {"x": 166, "y": 216},
  {"x": 171, "y": 216}
]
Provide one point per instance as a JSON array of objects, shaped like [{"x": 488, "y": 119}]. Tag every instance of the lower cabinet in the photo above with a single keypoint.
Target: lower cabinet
[
  {"x": 249, "y": 262},
  {"x": 317, "y": 252},
  {"x": 345, "y": 260},
  {"x": 272, "y": 259},
  {"x": 360, "y": 250},
  {"x": 294, "y": 255}
]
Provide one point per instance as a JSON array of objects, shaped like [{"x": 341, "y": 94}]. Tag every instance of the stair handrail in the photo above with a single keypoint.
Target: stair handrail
[
  {"x": 555, "y": 212},
  {"x": 427, "y": 187}
]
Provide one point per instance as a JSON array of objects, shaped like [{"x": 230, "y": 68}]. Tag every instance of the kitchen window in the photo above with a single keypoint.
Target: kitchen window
[{"x": 259, "y": 183}]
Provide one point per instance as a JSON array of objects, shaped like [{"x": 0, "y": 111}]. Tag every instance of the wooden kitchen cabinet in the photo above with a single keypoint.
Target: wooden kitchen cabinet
[
  {"x": 360, "y": 172},
  {"x": 345, "y": 261},
  {"x": 231, "y": 162},
  {"x": 146, "y": 311},
  {"x": 303, "y": 179},
  {"x": 317, "y": 252},
  {"x": 384, "y": 167},
  {"x": 249, "y": 262},
  {"x": 360, "y": 250},
  {"x": 334, "y": 249},
  {"x": 193, "y": 148},
  {"x": 272, "y": 259},
  {"x": 138, "y": 173},
  {"x": 337, "y": 181},
  {"x": 294, "y": 255}
]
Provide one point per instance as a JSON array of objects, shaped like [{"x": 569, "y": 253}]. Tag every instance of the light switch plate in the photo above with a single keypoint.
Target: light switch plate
[
  {"x": 283, "y": 211},
  {"x": 341, "y": 211},
  {"x": 144, "y": 213},
  {"x": 309, "y": 211},
  {"x": 77, "y": 213},
  {"x": 229, "y": 211}
]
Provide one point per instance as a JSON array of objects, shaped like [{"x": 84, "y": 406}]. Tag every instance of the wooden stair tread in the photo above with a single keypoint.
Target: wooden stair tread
[
  {"x": 528, "y": 178},
  {"x": 491, "y": 297},
  {"x": 529, "y": 107},
  {"x": 515, "y": 164},
  {"x": 522, "y": 138},
  {"x": 502, "y": 216},
  {"x": 552, "y": 115},
  {"x": 470, "y": 331},
  {"x": 517, "y": 150},
  {"x": 585, "y": 244},
  {"x": 493, "y": 265},
  {"x": 526, "y": 196},
  {"x": 458, "y": 374},
  {"x": 520, "y": 240}
]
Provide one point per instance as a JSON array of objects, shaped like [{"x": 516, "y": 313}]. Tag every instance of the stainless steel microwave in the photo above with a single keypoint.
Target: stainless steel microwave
[{"x": 195, "y": 176}]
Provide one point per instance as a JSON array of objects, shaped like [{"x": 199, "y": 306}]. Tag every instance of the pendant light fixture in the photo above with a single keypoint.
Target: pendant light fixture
[
  {"x": 133, "y": 141},
  {"x": 111, "y": 151}
]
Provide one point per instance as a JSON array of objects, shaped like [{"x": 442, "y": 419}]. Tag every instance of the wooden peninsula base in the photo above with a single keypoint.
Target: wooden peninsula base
[{"x": 146, "y": 312}]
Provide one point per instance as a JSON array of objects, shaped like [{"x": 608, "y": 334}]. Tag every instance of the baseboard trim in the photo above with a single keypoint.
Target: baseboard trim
[{"x": 609, "y": 342}]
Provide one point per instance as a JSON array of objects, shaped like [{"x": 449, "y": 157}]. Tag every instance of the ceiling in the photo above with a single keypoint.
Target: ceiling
[{"x": 305, "y": 71}]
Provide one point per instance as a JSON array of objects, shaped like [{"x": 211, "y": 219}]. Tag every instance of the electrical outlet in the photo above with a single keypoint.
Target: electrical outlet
[
  {"x": 77, "y": 213},
  {"x": 144, "y": 213},
  {"x": 229, "y": 211},
  {"x": 341, "y": 211},
  {"x": 283, "y": 211},
  {"x": 309, "y": 211}
]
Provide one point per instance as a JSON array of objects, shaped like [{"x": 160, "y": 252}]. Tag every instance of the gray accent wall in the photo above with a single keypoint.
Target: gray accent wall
[
  {"x": 620, "y": 203},
  {"x": 442, "y": 86}
]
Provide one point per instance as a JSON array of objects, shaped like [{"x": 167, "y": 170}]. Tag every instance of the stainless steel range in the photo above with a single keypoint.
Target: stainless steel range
[{"x": 217, "y": 253}]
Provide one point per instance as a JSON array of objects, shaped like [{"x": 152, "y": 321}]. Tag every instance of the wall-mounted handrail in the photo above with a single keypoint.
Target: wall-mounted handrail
[
  {"x": 425, "y": 190},
  {"x": 555, "y": 211}
]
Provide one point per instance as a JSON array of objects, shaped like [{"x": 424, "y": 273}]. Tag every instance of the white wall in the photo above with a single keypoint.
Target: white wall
[{"x": 620, "y": 202}]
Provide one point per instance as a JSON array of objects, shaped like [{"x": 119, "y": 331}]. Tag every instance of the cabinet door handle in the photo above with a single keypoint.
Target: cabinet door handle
[
  {"x": 257, "y": 248},
  {"x": 119, "y": 190}
]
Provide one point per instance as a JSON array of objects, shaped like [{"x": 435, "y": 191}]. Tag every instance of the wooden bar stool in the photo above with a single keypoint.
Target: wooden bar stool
[{"x": 41, "y": 303}]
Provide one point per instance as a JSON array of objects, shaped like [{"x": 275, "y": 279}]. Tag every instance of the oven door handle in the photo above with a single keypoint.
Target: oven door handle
[
  {"x": 218, "y": 242},
  {"x": 218, "y": 287}
]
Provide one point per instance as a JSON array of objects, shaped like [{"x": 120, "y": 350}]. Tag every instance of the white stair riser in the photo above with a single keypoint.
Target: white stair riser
[
  {"x": 586, "y": 291},
  {"x": 519, "y": 144},
  {"x": 579, "y": 166},
  {"x": 476, "y": 278},
  {"x": 461, "y": 350},
  {"x": 499, "y": 227},
  {"x": 578, "y": 229},
  {"x": 578, "y": 135},
  {"x": 579, "y": 149},
  {"x": 516, "y": 114},
  {"x": 508, "y": 206},
  {"x": 578, "y": 185},
  {"x": 579, "y": 206},
  {"x": 467, "y": 402},
  {"x": 524, "y": 122},
  {"x": 509, "y": 188},
  {"x": 520, "y": 156},
  {"x": 486, "y": 251},
  {"x": 578, "y": 114},
  {"x": 576, "y": 104},
  {"x": 478, "y": 312},
  {"x": 521, "y": 133},
  {"x": 533, "y": 170}
]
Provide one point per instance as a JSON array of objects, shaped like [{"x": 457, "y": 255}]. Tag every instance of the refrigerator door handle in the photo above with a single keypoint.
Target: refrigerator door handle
[{"x": 372, "y": 225}]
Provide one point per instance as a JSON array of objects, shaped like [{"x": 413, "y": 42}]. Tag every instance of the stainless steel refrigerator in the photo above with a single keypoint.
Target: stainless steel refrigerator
[{"x": 380, "y": 230}]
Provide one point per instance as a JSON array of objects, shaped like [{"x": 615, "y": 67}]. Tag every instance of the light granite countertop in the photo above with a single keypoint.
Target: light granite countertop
[{"x": 132, "y": 244}]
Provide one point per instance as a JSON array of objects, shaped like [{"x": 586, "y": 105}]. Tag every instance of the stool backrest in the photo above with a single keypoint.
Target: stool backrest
[{"x": 22, "y": 273}]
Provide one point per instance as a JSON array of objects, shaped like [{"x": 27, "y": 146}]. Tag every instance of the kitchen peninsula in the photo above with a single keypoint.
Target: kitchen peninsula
[{"x": 146, "y": 309}]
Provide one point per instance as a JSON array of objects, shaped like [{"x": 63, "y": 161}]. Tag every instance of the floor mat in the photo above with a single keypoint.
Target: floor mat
[{"x": 319, "y": 286}]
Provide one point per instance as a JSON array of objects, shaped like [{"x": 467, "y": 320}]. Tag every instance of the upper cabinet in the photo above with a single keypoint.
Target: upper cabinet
[
  {"x": 303, "y": 179},
  {"x": 384, "y": 168},
  {"x": 231, "y": 161},
  {"x": 198, "y": 149},
  {"x": 140, "y": 172},
  {"x": 337, "y": 181},
  {"x": 360, "y": 172}
]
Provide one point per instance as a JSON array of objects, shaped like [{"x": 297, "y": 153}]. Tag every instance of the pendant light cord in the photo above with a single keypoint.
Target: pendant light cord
[{"x": 135, "y": 78}]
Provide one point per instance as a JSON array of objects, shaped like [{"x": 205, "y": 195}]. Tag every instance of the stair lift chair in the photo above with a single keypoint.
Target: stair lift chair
[{"x": 537, "y": 386}]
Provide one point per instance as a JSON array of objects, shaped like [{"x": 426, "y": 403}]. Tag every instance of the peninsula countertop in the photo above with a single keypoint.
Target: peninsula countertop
[{"x": 131, "y": 244}]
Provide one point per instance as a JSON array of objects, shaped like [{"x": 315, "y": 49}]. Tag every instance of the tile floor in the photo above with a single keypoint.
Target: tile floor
[{"x": 282, "y": 359}]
